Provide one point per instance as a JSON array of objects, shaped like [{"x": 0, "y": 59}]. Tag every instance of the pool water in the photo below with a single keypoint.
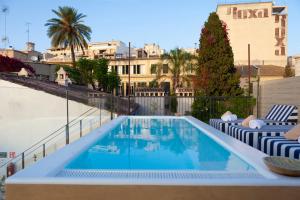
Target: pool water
[{"x": 157, "y": 144}]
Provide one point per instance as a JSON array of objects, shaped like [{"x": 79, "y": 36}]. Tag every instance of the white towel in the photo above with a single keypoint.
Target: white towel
[
  {"x": 256, "y": 124},
  {"x": 299, "y": 139},
  {"x": 229, "y": 118}
]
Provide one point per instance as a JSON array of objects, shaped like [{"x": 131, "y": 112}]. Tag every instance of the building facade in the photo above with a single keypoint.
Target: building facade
[
  {"x": 27, "y": 55},
  {"x": 262, "y": 25},
  {"x": 142, "y": 72},
  {"x": 110, "y": 50}
]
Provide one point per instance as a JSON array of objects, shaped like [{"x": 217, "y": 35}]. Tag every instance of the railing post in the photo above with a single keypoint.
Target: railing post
[
  {"x": 80, "y": 125},
  {"x": 23, "y": 160},
  {"x": 100, "y": 117},
  {"x": 210, "y": 106},
  {"x": 111, "y": 107},
  {"x": 44, "y": 150},
  {"x": 67, "y": 134}
]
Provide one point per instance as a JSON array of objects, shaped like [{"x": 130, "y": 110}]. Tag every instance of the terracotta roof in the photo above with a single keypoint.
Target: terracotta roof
[{"x": 265, "y": 70}]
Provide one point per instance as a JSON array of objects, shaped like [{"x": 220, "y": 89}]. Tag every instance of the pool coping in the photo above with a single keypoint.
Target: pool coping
[{"x": 55, "y": 162}]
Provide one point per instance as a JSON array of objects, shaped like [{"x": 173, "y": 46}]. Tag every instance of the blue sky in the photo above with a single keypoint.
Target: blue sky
[{"x": 170, "y": 23}]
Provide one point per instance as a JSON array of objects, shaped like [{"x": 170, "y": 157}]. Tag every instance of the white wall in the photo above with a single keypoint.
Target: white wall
[{"x": 28, "y": 115}]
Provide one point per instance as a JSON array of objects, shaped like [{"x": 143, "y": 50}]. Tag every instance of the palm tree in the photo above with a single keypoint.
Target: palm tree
[
  {"x": 180, "y": 64},
  {"x": 68, "y": 30}
]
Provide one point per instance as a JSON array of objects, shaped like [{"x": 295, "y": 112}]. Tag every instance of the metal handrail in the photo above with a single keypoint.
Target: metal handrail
[{"x": 53, "y": 133}]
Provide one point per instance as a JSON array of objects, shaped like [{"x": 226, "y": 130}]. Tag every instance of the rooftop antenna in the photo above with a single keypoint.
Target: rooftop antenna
[
  {"x": 28, "y": 31},
  {"x": 5, "y": 10}
]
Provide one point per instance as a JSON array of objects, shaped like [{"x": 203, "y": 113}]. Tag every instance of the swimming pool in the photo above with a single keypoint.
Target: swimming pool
[
  {"x": 169, "y": 157},
  {"x": 158, "y": 144}
]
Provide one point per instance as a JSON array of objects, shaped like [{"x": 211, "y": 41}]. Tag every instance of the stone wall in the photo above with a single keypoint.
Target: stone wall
[{"x": 284, "y": 91}]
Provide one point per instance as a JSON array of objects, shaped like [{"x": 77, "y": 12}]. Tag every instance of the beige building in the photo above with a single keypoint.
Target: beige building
[
  {"x": 262, "y": 25},
  {"x": 27, "y": 55},
  {"x": 142, "y": 72},
  {"x": 264, "y": 72},
  {"x": 297, "y": 66}
]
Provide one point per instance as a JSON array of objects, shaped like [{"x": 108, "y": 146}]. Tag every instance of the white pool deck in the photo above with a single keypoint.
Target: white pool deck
[{"x": 48, "y": 170}]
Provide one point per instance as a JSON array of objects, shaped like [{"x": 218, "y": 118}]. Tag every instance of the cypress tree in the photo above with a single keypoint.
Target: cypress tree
[
  {"x": 216, "y": 72},
  {"x": 288, "y": 72}
]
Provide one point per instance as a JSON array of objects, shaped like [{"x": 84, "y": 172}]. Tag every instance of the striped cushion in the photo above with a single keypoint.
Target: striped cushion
[
  {"x": 294, "y": 116},
  {"x": 224, "y": 126},
  {"x": 282, "y": 113},
  {"x": 279, "y": 146},
  {"x": 252, "y": 136}
]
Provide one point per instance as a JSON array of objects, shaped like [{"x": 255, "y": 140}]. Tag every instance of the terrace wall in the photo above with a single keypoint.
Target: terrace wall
[
  {"x": 283, "y": 91},
  {"x": 27, "y": 115}
]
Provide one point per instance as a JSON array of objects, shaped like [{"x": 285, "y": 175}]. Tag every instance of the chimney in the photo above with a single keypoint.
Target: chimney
[{"x": 30, "y": 46}]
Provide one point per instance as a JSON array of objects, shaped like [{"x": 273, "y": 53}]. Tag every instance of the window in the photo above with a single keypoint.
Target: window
[
  {"x": 134, "y": 69},
  {"x": 61, "y": 76},
  {"x": 125, "y": 69},
  {"x": 165, "y": 68},
  {"x": 283, "y": 22},
  {"x": 277, "y": 32},
  {"x": 153, "y": 68},
  {"x": 245, "y": 14},
  {"x": 276, "y": 18},
  {"x": 142, "y": 84},
  {"x": 277, "y": 52},
  {"x": 282, "y": 32},
  {"x": 114, "y": 69},
  {"x": 283, "y": 51},
  {"x": 266, "y": 13},
  {"x": 240, "y": 14},
  {"x": 138, "y": 69},
  {"x": 260, "y": 14}
]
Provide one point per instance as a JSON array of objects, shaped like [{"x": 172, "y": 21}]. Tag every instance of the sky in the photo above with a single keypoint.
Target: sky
[{"x": 169, "y": 23}]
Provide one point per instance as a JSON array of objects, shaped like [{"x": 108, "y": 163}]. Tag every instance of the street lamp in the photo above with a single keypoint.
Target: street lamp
[
  {"x": 67, "y": 98},
  {"x": 257, "y": 89},
  {"x": 129, "y": 87}
]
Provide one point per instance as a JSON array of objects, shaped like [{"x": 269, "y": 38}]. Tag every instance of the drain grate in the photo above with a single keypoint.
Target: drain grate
[{"x": 157, "y": 174}]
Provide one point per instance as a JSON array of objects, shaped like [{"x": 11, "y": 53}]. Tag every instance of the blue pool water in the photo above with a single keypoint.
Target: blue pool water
[{"x": 157, "y": 144}]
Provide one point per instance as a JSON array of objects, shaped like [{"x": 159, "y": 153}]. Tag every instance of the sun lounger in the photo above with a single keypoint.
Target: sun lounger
[
  {"x": 252, "y": 136},
  {"x": 280, "y": 146},
  {"x": 278, "y": 115}
]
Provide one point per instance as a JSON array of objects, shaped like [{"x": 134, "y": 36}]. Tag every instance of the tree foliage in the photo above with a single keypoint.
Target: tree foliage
[
  {"x": 93, "y": 72},
  {"x": 180, "y": 63},
  {"x": 216, "y": 74},
  {"x": 8, "y": 64},
  {"x": 289, "y": 72},
  {"x": 68, "y": 30},
  {"x": 113, "y": 81},
  {"x": 101, "y": 72}
]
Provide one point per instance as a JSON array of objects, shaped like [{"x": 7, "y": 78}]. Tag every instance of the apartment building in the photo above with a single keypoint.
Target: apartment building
[
  {"x": 142, "y": 72},
  {"x": 262, "y": 25}
]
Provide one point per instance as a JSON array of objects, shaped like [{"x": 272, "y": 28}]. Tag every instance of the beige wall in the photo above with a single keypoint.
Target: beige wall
[
  {"x": 284, "y": 91},
  {"x": 258, "y": 31},
  {"x": 145, "y": 76},
  {"x": 14, "y": 54}
]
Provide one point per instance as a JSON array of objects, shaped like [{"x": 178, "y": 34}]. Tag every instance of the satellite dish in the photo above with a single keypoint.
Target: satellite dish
[{"x": 34, "y": 58}]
